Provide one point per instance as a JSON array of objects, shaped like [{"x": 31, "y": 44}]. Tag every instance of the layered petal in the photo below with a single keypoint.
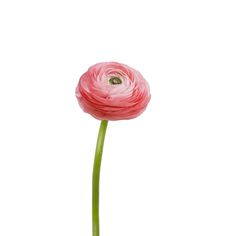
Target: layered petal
[{"x": 113, "y": 91}]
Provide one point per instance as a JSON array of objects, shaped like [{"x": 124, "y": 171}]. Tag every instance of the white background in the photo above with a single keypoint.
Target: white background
[{"x": 169, "y": 172}]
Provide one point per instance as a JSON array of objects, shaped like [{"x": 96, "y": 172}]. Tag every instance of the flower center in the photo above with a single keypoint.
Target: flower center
[{"x": 115, "y": 80}]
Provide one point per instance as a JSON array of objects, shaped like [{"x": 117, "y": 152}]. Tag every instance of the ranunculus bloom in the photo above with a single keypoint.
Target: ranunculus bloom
[{"x": 112, "y": 91}]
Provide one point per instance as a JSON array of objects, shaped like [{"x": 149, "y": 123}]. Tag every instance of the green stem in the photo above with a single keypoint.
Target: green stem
[{"x": 96, "y": 174}]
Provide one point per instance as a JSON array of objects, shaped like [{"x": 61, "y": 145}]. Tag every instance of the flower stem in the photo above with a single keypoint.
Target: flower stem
[{"x": 96, "y": 174}]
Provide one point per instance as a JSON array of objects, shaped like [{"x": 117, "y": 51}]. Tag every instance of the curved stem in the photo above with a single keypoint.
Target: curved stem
[{"x": 96, "y": 175}]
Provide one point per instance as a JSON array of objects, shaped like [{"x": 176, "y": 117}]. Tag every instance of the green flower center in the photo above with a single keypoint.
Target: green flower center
[{"x": 115, "y": 80}]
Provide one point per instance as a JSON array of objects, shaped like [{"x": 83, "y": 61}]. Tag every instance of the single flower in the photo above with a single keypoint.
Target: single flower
[
  {"x": 110, "y": 91},
  {"x": 113, "y": 91}
]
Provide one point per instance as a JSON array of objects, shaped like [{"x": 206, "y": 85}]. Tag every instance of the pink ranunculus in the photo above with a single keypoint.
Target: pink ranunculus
[{"x": 113, "y": 91}]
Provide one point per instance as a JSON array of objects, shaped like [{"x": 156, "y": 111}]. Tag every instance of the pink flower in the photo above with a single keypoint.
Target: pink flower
[{"x": 113, "y": 91}]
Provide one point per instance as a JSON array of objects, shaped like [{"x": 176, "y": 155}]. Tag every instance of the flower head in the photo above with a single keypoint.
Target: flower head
[{"x": 113, "y": 91}]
